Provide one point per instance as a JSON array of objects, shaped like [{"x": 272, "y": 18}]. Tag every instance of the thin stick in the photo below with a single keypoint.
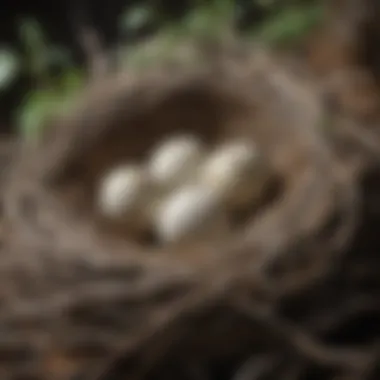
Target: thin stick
[{"x": 89, "y": 40}]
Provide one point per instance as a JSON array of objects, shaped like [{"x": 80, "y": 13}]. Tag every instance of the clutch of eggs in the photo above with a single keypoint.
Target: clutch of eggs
[
  {"x": 129, "y": 194},
  {"x": 181, "y": 192}
]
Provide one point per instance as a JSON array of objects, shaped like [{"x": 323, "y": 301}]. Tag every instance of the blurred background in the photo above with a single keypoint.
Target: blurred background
[{"x": 43, "y": 44}]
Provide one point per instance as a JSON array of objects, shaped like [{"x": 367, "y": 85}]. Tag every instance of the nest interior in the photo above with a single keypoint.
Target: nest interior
[
  {"x": 122, "y": 119},
  {"x": 179, "y": 105}
]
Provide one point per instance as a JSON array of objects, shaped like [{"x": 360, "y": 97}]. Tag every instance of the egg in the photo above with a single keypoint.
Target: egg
[
  {"x": 192, "y": 212},
  {"x": 175, "y": 160},
  {"x": 124, "y": 193},
  {"x": 236, "y": 171}
]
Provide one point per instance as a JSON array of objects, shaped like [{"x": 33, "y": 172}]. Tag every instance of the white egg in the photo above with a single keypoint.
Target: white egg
[
  {"x": 175, "y": 160},
  {"x": 123, "y": 193},
  {"x": 235, "y": 171},
  {"x": 191, "y": 212}
]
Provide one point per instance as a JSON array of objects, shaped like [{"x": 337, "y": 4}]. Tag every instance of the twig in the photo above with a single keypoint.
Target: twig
[{"x": 90, "y": 42}]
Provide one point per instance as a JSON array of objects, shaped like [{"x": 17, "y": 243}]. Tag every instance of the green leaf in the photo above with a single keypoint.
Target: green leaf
[
  {"x": 267, "y": 3},
  {"x": 71, "y": 81},
  {"x": 290, "y": 24},
  {"x": 37, "y": 49},
  {"x": 39, "y": 107},
  {"x": 32, "y": 35},
  {"x": 136, "y": 18},
  {"x": 212, "y": 19},
  {"x": 9, "y": 68},
  {"x": 198, "y": 21},
  {"x": 34, "y": 111}
]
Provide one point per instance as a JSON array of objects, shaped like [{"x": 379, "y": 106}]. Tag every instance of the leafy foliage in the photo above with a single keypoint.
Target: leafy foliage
[
  {"x": 213, "y": 19},
  {"x": 291, "y": 24},
  {"x": 9, "y": 68},
  {"x": 51, "y": 94},
  {"x": 44, "y": 102}
]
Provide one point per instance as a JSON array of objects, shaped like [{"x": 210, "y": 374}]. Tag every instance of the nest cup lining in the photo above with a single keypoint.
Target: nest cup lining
[{"x": 198, "y": 107}]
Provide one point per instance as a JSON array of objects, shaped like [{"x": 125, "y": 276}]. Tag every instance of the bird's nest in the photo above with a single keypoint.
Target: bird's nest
[{"x": 277, "y": 299}]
